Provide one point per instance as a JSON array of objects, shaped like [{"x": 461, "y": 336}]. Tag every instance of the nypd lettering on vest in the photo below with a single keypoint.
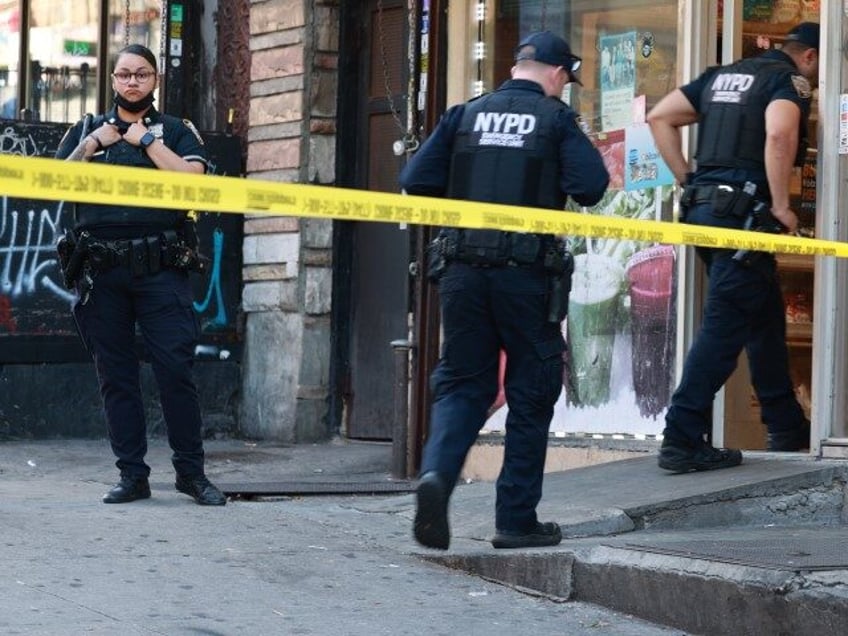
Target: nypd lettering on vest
[
  {"x": 732, "y": 132},
  {"x": 730, "y": 87},
  {"x": 509, "y": 130},
  {"x": 507, "y": 149}
]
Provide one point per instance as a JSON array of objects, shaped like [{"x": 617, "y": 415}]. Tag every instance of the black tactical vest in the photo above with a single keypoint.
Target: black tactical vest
[
  {"x": 117, "y": 221},
  {"x": 732, "y": 131},
  {"x": 506, "y": 150}
]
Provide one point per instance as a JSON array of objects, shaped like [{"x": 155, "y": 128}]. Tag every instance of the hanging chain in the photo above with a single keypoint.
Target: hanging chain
[
  {"x": 127, "y": 23},
  {"x": 385, "y": 65},
  {"x": 408, "y": 143}
]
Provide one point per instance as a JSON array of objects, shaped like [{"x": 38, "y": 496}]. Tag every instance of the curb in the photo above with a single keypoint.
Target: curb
[
  {"x": 738, "y": 588},
  {"x": 705, "y": 597}
]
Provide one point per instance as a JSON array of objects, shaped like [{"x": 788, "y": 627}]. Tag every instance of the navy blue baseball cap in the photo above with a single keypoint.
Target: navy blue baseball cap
[
  {"x": 547, "y": 48},
  {"x": 805, "y": 33}
]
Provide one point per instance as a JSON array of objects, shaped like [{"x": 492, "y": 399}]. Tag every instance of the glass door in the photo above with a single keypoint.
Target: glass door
[{"x": 763, "y": 25}]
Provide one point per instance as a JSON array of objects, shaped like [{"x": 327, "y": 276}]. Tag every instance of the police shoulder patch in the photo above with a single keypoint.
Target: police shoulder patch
[
  {"x": 191, "y": 127},
  {"x": 802, "y": 86}
]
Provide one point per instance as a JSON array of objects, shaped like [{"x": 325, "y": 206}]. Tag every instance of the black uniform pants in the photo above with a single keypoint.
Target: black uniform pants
[
  {"x": 161, "y": 305},
  {"x": 744, "y": 310},
  {"x": 483, "y": 311}
]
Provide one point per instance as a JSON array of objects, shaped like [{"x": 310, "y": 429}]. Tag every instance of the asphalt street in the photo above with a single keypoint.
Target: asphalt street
[{"x": 306, "y": 565}]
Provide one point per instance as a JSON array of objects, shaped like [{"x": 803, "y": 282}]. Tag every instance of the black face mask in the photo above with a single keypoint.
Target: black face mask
[{"x": 134, "y": 107}]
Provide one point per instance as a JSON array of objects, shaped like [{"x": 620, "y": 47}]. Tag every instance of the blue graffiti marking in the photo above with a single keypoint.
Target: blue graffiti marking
[{"x": 220, "y": 320}]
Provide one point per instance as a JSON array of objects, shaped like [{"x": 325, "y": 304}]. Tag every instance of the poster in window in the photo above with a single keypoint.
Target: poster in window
[
  {"x": 618, "y": 79},
  {"x": 621, "y": 327},
  {"x": 611, "y": 146},
  {"x": 645, "y": 167}
]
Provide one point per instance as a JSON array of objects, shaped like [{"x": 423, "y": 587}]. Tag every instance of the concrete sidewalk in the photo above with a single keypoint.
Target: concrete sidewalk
[
  {"x": 283, "y": 565},
  {"x": 756, "y": 549}
]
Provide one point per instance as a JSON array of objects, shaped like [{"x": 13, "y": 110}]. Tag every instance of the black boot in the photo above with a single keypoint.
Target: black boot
[
  {"x": 431, "y": 515},
  {"x": 791, "y": 441},
  {"x": 683, "y": 458},
  {"x": 201, "y": 490},
  {"x": 544, "y": 534},
  {"x": 128, "y": 489}
]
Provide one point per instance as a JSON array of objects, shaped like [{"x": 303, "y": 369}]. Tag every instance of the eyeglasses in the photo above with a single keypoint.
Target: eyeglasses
[
  {"x": 141, "y": 76},
  {"x": 575, "y": 63}
]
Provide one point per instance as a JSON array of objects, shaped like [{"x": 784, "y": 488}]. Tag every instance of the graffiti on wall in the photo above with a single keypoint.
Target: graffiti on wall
[
  {"x": 34, "y": 140},
  {"x": 33, "y": 299},
  {"x": 27, "y": 255}
]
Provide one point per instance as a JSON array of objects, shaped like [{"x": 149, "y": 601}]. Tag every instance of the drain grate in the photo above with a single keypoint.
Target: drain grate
[
  {"x": 779, "y": 553},
  {"x": 282, "y": 488}
]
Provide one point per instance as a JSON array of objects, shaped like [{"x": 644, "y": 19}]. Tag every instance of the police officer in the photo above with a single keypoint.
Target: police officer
[
  {"x": 135, "y": 272},
  {"x": 519, "y": 145},
  {"x": 753, "y": 118}
]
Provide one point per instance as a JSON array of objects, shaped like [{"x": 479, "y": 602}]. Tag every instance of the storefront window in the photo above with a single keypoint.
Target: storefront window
[
  {"x": 142, "y": 25},
  {"x": 65, "y": 75},
  {"x": 63, "y": 58},
  {"x": 621, "y": 327},
  {"x": 10, "y": 32}
]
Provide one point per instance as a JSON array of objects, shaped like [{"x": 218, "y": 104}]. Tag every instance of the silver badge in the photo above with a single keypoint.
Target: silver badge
[{"x": 802, "y": 86}]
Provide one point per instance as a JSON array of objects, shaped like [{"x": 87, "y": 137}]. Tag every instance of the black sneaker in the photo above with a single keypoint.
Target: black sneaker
[
  {"x": 201, "y": 490},
  {"x": 790, "y": 441},
  {"x": 431, "y": 515},
  {"x": 127, "y": 490},
  {"x": 680, "y": 458},
  {"x": 543, "y": 534}
]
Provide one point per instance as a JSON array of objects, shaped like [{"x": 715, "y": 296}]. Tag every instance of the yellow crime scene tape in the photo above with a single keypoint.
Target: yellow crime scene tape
[{"x": 55, "y": 180}]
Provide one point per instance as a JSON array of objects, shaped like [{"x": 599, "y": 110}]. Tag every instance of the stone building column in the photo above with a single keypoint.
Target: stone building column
[{"x": 288, "y": 260}]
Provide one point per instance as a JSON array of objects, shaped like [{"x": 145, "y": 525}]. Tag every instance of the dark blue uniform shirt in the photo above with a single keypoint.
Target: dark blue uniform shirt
[{"x": 121, "y": 221}]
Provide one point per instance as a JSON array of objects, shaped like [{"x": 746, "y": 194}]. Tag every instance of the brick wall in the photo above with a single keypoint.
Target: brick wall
[{"x": 288, "y": 260}]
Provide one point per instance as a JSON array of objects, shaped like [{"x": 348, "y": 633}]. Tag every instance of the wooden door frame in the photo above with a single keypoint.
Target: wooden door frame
[
  {"x": 351, "y": 171},
  {"x": 426, "y": 319}
]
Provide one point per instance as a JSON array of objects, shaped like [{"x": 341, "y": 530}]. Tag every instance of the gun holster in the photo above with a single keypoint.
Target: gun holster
[
  {"x": 72, "y": 252},
  {"x": 736, "y": 203},
  {"x": 725, "y": 200},
  {"x": 559, "y": 263},
  {"x": 760, "y": 219},
  {"x": 180, "y": 250},
  {"x": 436, "y": 262}
]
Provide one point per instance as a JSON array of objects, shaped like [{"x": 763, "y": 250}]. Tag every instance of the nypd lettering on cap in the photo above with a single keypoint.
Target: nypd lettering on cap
[
  {"x": 510, "y": 130},
  {"x": 731, "y": 87}
]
